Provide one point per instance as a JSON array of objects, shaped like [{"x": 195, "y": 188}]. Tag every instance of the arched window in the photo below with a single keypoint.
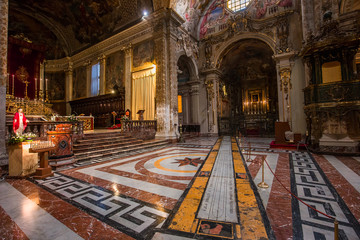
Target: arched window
[{"x": 237, "y": 5}]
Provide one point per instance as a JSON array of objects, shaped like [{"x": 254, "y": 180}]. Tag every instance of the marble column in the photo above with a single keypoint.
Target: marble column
[
  {"x": 88, "y": 78},
  {"x": 291, "y": 81},
  {"x": 195, "y": 106},
  {"x": 4, "y": 9},
  {"x": 186, "y": 111},
  {"x": 127, "y": 75},
  {"x": 212, "y": 86},
  {"x": 162, "y": 95},
  {"x": 102, "y": 60},
  {"x": 307, "y": 14},
  {"x": 68, "y": 87},
  {"x": 172, "y": 78},
  {"x": 318, "y": 16},
  {"x": 166, "y": 73}
]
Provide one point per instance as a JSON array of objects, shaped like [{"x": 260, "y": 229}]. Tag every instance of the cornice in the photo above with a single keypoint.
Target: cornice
[
  {"x": 117, "y": 42},
  {"x": 120, "y": 41}
]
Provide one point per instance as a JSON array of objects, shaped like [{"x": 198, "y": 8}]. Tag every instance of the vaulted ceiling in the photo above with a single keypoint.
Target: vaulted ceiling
[
  {"x": 65, "y": 27},
  {"x": 247, "y": 62}
]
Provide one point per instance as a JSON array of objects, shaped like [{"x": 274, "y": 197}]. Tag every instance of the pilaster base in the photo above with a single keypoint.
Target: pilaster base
[
  {"x": 4, "y": 159},
  {"x": 343, "y": 145}
]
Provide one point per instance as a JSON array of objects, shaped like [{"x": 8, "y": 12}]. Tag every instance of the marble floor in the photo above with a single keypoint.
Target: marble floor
[{"x": 205, "y": 188}]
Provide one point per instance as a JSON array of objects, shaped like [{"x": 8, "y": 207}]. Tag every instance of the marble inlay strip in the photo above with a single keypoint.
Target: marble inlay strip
[
  {"x": 272, "y": 159},
  {"x": 35, "y": 222},
  {"x": 219, "y": 201},
  {"x": 347, "y": 173}
]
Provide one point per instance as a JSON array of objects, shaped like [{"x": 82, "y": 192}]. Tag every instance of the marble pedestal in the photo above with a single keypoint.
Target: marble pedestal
[
  {"x": 21, "y": 161},
  {"x": 342, "y": 145}
]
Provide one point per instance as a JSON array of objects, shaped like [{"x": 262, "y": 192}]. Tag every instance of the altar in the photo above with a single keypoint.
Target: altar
[{"x": 87, "y": 120}]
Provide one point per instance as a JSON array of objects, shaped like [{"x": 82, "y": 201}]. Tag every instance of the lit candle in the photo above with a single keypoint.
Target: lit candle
[
  {"x": 13, "y": 89},
  {"x": 35, "y": 86},
  {"x": 8, "y": 84}
]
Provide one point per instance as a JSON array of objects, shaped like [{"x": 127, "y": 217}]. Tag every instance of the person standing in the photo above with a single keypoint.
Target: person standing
[{"x": 19, "y": 122}]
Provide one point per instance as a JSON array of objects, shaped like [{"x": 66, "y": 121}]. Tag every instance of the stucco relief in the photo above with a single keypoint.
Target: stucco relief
[{"x": 3, "y": 40}]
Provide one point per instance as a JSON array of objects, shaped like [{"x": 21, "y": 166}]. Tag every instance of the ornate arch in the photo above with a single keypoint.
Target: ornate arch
[
  {"x": 226, "y": 46},
  {"x": 191, "y": 63}
]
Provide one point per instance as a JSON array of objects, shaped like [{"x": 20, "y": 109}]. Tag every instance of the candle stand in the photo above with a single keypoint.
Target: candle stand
[{"x": 44, "y": 170}]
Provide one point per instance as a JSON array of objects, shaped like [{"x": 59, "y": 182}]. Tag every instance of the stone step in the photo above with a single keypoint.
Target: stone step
[
  {"x": 101, "y": 135},
  {"x": 62, "y": 163},
  {"x": 102, "y": 151},
  {"x": 108, "y": 138},
  {"x": 96, "y": 145},
  {"x": 118, "y": 151},
  {"x": 81, "y": 143}
]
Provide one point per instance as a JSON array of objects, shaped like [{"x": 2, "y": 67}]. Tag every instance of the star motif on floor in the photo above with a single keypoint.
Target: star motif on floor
[{"x": 189, "y": 161}]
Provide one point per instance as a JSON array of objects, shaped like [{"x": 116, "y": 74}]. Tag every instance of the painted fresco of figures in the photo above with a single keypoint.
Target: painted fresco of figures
[
  {"x": 143, "y": 53},
  {"x": 115, "y": 65},
  {"x": 215, "y": 15},
  {"x": 19, "y": 122},
  {"x": 56, "y": 85},
  {"x": 79, "y": 82},
  {"x": 262, "y": 5}
]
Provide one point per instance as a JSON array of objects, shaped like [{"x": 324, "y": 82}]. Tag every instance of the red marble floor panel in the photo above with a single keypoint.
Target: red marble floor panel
[
  {"x": 351, "y": 163},
  {"x": 144, "y": 175},
  {"x": 162, "y": 201},
  {"x": 180, "y": 186},
  {"x": 78, "y": 221},
  {"x": 9, "y": 230},
  {"x": 279, "y": 204},
  {"x": 142, "y": 170},
  {"x": 346, "y": 191},
  {"x": 255, "y": 165}
]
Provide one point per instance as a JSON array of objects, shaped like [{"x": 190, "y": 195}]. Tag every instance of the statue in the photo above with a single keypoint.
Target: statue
[{"x": 19, "y": 122}]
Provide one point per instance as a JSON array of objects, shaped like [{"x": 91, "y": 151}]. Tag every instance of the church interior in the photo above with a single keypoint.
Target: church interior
[{"x": 180, "y": 119}]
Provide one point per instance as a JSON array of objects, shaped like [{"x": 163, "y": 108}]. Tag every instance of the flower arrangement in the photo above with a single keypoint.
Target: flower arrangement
[
  {"x": 30, "y": 135},
  {"x": 125, "y": 118},
  {"x": 72, "y": 118},
  {"x": 14, "y": 139}
]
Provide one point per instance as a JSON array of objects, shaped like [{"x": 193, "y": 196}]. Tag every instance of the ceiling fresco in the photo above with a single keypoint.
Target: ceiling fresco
[
  {"x": 206, "y": 17},
  {"x": 35, "y": 32},
  {"x": 77, "y": 24}
]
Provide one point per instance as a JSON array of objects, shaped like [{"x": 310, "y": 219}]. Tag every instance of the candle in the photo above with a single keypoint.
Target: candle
[
  {"x": 35, "y": 86},
  {"x": 8, "y": 84},
  {"x": 46, "y": 84},
  {"x": 13, "y": 89}
]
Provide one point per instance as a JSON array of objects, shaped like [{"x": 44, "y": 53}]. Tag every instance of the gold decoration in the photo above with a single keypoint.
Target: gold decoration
[
  {"x": 30, "y": 107},
  {"x": 23, "y": 75},
  {"x": 285, "y": 83}
]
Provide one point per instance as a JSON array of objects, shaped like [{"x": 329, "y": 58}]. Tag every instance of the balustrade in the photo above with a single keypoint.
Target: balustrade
[
  {"x": 40, "y": 128},
  {"x": 140, "y": 129}
]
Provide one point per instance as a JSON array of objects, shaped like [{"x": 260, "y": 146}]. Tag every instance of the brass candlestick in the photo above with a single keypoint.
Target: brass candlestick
[
  {"x": 46, "y": 96},
  {"x": 26, "y": 87}
]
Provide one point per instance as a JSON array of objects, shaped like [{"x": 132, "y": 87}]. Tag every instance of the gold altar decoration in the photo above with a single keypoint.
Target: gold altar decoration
[
  {"x": 23, "y": 76},
  {"x": 30, "y": 107},
  {"x": 88, "y": 121}
]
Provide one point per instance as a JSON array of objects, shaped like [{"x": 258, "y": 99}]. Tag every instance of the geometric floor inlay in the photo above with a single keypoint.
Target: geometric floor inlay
[
  {"x": 131, "y": 216},
  {"x": 311, "y": 185}
]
